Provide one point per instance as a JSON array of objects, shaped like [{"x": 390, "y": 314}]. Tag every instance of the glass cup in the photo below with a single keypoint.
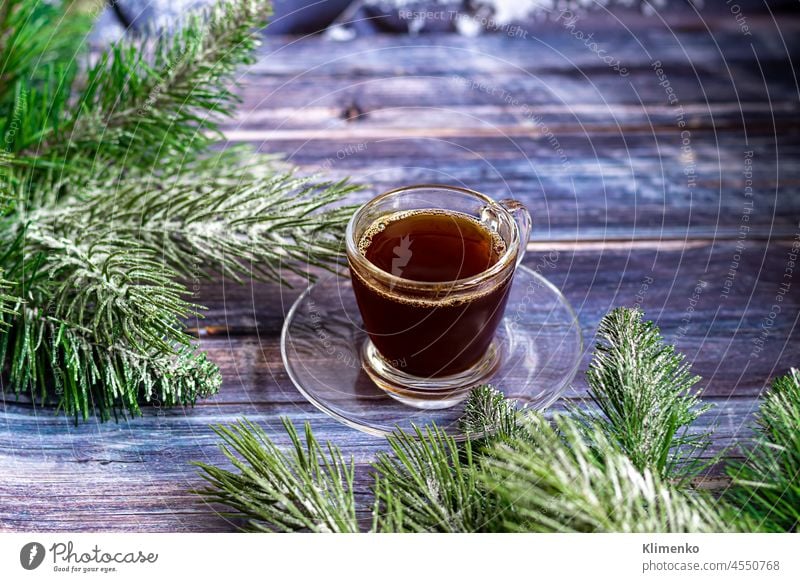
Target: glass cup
[{"x": 429, "y": 343}]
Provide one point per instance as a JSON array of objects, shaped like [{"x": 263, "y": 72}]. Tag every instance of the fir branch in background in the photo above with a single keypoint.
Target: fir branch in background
[
  {"x": 145, "y": 105},
  {"x": 111, "y": 195},
  {"x": 766, "y": 485},
  {"x": 35, "y": 36},
  {"x": 230, "y": 223},
  {"x": 644, "y": 390}
]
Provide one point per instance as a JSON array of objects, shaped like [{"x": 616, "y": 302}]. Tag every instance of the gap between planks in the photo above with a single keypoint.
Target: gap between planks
[
  {"x": 376, "y": 133},
  {"x": 669, "y": 242}
]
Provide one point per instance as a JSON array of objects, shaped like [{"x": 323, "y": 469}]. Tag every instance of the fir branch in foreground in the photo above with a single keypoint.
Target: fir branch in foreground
[
  {"x": 429, "y": 481},
  {"x": 549, "y": 479},
  {"x": 644, "y": 390},
  {"x": 488, "y": 414},
  {"x": 537, "y": 477},
  {"x": 766, "y": 485},
  {"x": 525, "y": 473},
  {"x": 310, "y": 488},
  {"x": 430, "y": 484},
  {"x": 567, "y": 478}
]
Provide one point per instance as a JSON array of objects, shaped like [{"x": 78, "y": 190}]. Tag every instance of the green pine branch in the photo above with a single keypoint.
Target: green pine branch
[
  {"x": 143, "y": 103},
  {"x": 206, "y": 223},
  {"x": 110, "y": 196},
  {"x": 59, "y": 365},
  {"x": 78, "y": 327},
  {"x": 35, "y": 36},
  {"x": 519, "y": 471},
  {"x": 310, "y": 488},
  {"x": 564, "y": 477},
  {"x": 545, "y": 477},
  {"x": 644, "y": 392},
  {"x": 430, "y": 484},
  {"x": 114, "y": 288},
  {"x": 488, "y": 415},
  {"x": 6, "y": 301},
  {"x": 766, "y": 485}
]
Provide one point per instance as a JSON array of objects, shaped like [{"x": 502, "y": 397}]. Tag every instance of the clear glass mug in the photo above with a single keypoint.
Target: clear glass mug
[{"x": 430, "y": 342}]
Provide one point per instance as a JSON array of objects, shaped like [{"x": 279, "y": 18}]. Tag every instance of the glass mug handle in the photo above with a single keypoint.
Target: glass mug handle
[{"x": 524, "y": 223}]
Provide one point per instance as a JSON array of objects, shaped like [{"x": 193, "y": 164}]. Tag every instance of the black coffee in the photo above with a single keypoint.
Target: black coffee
[{"x": 431, "y": 335}]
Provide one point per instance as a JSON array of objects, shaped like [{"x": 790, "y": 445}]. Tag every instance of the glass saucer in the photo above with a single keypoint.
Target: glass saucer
[{"x": 539, "y": 339}]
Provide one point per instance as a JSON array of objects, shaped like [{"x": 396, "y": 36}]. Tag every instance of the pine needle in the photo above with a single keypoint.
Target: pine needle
[
  {"x": 308, "y": 489},
  {"x": 766, "y": 485},
  {"x": 110, "y": 194},
  {"x": 520, "y": 472},
  {"x": 429, "y": 484},
  {"x": 565, "y": 477},
  {"x": 644, "y": 390}
]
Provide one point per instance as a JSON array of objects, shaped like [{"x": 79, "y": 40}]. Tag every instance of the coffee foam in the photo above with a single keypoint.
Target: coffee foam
[{"x": 498, "y": 244}]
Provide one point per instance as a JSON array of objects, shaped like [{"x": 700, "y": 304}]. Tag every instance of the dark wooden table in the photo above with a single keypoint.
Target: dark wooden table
[{"x": 643, "y": 199}]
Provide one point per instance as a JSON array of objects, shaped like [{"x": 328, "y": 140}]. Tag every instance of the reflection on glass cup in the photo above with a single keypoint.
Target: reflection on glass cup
[{"x": 431, "y": 267}]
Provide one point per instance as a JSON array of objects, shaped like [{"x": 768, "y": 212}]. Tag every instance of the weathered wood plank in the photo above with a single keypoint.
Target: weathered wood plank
[
  {"x": 135, "y": 477},
  {"x": 490, "y": 121},
  {"x": 548, "y": 50},
  {"x": 388, "y": 128},
  {"x": 720, "y": 324},
  {"x": 624, "y": 186},
  {"x": 318, "y": 93},
  {"x": 512, "y": 104},
  {"x": 586, "y": 187},
  {"x": 711, "y": 325}
]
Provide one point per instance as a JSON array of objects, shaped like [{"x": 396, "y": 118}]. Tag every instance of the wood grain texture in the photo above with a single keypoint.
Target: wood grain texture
[
  {"x": 538, "y": 119},
  {"x": 613, "y": 187},
  {"x": 626, "y": 227}
]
